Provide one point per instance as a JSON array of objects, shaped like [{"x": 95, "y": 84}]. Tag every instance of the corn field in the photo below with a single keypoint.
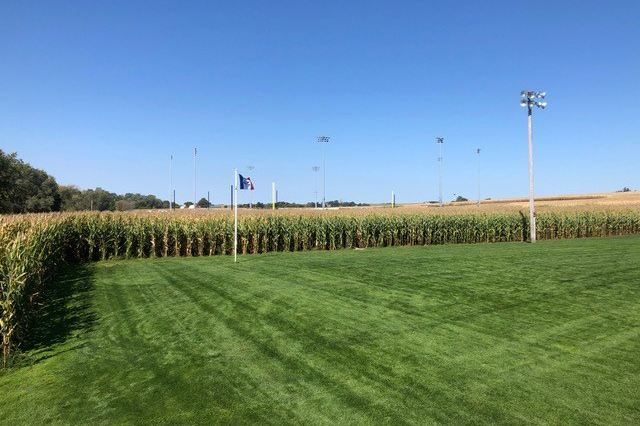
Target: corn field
[{"x": 33, "y": 247}]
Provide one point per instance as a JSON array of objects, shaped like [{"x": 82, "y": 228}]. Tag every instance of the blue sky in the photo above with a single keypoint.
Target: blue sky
[{"x": 101, "y": 93}]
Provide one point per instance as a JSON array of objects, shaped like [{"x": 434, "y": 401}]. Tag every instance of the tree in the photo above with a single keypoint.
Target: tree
[
  {"x": 71, "y": 198},
  {"x": 124, "y": 205},
  {"x": 203, "y": 203},
  {"x": 461, "y": 198},
  {"x": 24, "y": 188}
]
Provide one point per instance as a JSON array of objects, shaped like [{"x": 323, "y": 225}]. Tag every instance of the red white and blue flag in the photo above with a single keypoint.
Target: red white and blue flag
[{"x": 245, "y": 183}]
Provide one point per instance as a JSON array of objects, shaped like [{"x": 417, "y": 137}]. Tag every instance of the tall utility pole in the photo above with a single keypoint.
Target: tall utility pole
[
  {"x": 170, "y": 182},
  {"x": 478, "y": 176},
  {"x": 440, "y": 141},
  {"x": 323, "y": 140},
  {"x": 529, "y": 100},
  {"x": 250, "y": 193},
  {"x": 315, "y": 170},
  {"x": 195, "y": 156}
]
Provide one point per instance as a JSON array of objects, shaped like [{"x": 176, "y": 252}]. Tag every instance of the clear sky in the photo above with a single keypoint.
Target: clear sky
[{"x": 100, "y": 93}]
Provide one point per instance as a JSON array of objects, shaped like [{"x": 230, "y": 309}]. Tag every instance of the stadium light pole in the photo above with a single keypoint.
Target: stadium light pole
[
  {"x": 323, "y": 140},
  {"x": 315, "y": 169},
  {"x": 195, "y": 155},
  {"x": 529, "y": 100},
  {"x": 250, "y": 194},
  {"x": 478, "y": 151},
  {"x": 170, "y": 182},
  {"x": 440, "y": 141}
]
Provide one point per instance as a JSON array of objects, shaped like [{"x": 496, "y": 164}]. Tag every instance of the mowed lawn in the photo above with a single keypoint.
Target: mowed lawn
[{"x": 508, "y": 333}]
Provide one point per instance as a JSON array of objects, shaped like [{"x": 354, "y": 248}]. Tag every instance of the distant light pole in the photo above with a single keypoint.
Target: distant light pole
[
  {"x": 478, "y": 150},
  {"x": 250, "y": 194},
  {"x": 529, "y": 100},
  {"x": 195, "y": 156},
  {"x": 170, "y": 182},
  {"x": 315, "y": 169},
  {"x": 323, "y": 140},
  {"x": 440, "y": 141}
]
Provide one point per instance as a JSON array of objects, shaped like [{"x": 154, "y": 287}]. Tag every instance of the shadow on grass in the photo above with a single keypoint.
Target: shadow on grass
[{"x": 65, "y": 313}]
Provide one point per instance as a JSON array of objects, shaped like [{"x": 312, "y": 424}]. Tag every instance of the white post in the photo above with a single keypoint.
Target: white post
[
  {"x": 170, "y": 182},
  {"x": 235, "y": 210},
  {"x": 273, "y": 195},
  {"x": 393, "y": 199},
  {"x": 532, "y": 213}
]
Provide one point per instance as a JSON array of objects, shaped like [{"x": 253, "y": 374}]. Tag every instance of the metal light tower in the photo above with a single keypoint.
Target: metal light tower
[
  {"x": 478, "y": 151},
  {"x": 195, "y": 156},
  {"x": 529, "y": 100},
  {"x": 315, "y": 169},
  {"x": 323, "y": 140},
  {"x": 440, "y": 141},
  {"x": 250, "y": 194}
]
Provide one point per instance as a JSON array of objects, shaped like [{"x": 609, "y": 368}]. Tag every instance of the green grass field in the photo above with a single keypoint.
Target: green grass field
[{"x": 506, "y": 333}]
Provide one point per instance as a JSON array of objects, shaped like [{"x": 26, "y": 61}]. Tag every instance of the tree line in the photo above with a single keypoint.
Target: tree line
[{"x": 25, "y": 189}]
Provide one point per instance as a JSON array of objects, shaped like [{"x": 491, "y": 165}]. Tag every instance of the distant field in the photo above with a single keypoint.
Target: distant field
[
  {"x": 460, "y": 334},
  {"x": 611, "y": 201}
]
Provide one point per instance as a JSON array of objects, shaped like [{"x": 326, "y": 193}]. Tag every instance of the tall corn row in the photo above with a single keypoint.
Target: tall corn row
[{"x": 33, "y": 246}]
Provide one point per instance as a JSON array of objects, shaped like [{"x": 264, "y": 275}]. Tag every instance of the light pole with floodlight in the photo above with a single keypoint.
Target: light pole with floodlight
[
  {"x": 440, "y": 141},
  {"x": 529, "y": 100},
  {"x": 323, "y": 140},
  {"x": 478, "y": 151},
  {"x": 170, "y": 181}
]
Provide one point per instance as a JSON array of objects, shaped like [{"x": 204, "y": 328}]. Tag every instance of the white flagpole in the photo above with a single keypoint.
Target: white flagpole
[{"x": 235, "y": 210}]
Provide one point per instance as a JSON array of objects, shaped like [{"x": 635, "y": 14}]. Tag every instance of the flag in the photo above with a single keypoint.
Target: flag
[{"x": 245, "y": 183}]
